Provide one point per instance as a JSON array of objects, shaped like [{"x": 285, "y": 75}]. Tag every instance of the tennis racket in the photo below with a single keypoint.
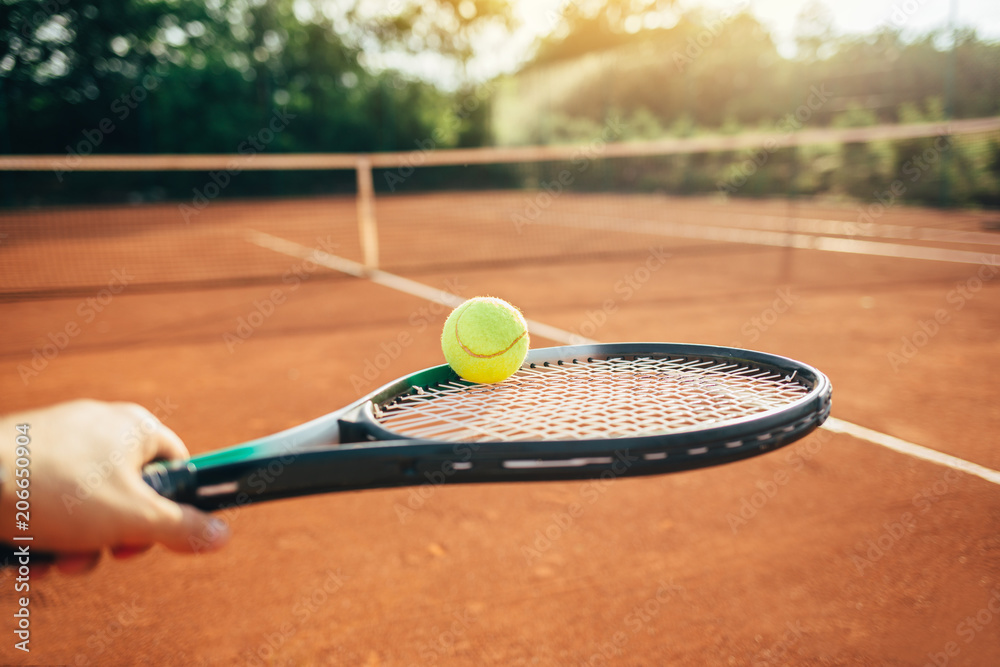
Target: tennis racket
[
  {"x": 577, "y": 412},
  {"x": 574, "y": 412}
]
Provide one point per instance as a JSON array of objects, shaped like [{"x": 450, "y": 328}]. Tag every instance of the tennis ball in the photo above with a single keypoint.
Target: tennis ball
[{"x": 485, "y": 339}]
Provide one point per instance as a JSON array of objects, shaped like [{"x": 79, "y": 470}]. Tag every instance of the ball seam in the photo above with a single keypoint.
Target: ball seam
[{"x": 483, "y": 356}]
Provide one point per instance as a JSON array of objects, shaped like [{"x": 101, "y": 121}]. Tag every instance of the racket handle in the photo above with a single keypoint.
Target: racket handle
[
  {"x": 9, "y": 556},
  {"x": 171, "y": 479}
]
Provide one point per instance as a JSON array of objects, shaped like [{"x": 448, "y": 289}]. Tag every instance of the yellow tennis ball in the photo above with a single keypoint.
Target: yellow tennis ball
[{"x": 485, "y": 339}]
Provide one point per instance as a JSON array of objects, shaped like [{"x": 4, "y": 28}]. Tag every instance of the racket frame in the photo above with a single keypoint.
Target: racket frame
[{"x": 350, "y": 450}]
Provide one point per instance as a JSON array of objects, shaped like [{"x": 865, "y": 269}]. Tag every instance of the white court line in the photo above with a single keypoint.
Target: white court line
[
  {"x": 854, "y": 229},
  {"x": 874, "y": 230},
  {"x": 790, "y": 224},
  {"x": 395, "y": 282},
  {"x": 767, "y": 238},
  {"x": 917, "y": 451},
  {"x": 558, "y": 335}
]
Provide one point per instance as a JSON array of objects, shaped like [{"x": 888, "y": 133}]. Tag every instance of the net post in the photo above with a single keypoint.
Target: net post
[{"x": 366, "y": 213}]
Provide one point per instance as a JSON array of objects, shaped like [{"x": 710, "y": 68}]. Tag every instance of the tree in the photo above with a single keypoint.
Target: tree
[{"x": 208, "y": 73}]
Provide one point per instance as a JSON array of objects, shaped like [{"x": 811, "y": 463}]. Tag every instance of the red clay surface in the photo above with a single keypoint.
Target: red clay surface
[{"x": 831, "y": 552}]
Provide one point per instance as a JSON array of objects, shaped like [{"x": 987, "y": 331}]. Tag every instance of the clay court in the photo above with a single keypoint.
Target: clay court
[{"x": 833, "y": 551}]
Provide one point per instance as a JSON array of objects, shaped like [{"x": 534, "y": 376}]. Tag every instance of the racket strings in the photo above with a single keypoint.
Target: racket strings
[{"x": 592, "y": 399}]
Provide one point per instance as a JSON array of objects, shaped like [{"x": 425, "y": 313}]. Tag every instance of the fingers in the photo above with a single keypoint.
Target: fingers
[
  {"x": 123, "y": 552},
  {"x": 40, "y": 570},
  {"x": 77, "y": 563},
  {"x": 178, "y": 527},
  {"x": 186, "y": 529},
  {"x": 158, "y": 441},
  {"x": 82, "y": 563},
  {"x": 196, "y": 532},
  {"x": 146, "y": 517},
  {"x": 165, "y": 444}
]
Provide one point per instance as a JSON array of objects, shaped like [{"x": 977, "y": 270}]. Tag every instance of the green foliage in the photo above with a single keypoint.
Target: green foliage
[
  {"x": 726, "y": 69},
  {"x": 185, "y": 76},
  {"x": 724, "y": 74}
]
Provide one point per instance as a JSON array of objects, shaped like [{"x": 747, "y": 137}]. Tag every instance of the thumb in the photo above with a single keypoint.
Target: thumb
[{"x": 186, "y": 529}]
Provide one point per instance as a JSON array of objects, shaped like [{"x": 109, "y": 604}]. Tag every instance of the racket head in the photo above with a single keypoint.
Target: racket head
[
  {"x": 724, "y": 403},
  {"x": 364, "y": 446}
]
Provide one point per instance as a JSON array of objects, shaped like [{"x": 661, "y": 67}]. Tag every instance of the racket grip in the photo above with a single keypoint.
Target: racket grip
[{"x": 171, "y": 479}]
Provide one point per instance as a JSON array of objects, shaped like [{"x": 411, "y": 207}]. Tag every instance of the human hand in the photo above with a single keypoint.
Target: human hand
[{"x": 86, "y": 491}]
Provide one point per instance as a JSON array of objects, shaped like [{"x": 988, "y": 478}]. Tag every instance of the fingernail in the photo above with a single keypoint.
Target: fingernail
[{"x": 218, "y": 530}]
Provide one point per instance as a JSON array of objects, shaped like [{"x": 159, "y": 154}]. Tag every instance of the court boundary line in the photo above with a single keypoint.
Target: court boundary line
[
  {"x": 875, "y": 230},
  {"x": 392, "y": 281},
  {"x": 422, "y": 291},
  {"x": 770, "y": 238},
  {"x": 836, "y": 425},
  {"x": 785, "y": 224}
]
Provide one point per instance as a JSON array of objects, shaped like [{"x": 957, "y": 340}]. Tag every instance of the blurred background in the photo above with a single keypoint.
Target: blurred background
[
  {"x": 814, "y": 179},
  {"x": 185, "y": 76}
]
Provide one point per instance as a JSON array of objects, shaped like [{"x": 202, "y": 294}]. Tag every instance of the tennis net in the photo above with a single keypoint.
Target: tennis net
[{"x": 172, "y": 221}]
